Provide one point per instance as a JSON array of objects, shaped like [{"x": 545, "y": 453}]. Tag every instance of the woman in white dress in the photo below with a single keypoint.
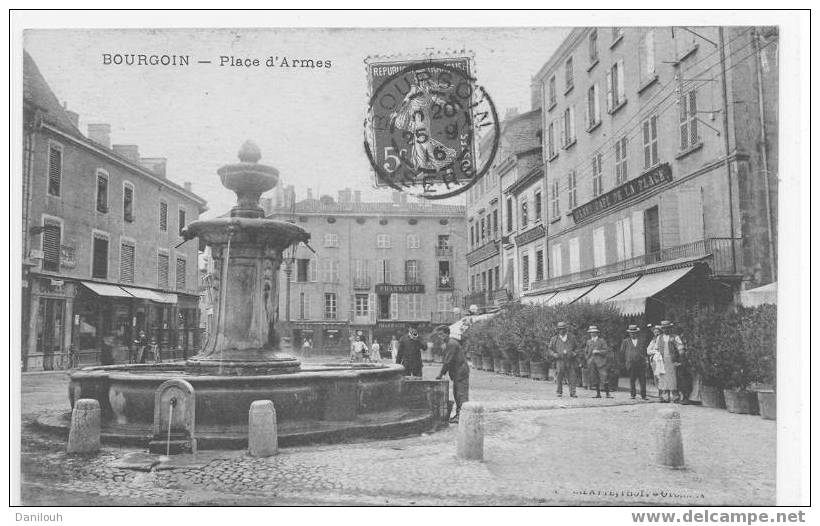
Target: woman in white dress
[{"x": 655, "y": 359}]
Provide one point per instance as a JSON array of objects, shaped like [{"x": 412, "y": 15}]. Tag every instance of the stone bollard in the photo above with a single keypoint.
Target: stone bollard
[
  {"x": 262, "y": 438},
  {"x": 668, "y": 439},
  {"x": 470, "y": 442},
  {"x": 84, "y": 435}
]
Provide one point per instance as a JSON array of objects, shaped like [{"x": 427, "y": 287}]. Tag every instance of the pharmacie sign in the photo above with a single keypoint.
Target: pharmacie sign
[
  {"x": 655, "y": 177},
  {"x": 412, "y": 288}
]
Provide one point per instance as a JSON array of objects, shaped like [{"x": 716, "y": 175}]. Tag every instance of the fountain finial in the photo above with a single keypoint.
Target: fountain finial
[{"x": 249, "y": 152}]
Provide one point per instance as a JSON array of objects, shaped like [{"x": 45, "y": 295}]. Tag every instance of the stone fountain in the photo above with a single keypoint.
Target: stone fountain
[{"x": 243, "y": 360}]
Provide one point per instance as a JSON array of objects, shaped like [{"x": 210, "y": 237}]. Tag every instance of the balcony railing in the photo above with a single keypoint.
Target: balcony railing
[
  {"x": 444, "y": 252},
  {"x": 722, "y": 251}
]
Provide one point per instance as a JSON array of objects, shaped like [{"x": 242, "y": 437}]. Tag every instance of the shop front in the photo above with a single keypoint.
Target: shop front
[
  {"x": 49, "y": 320},
  {"x": 325, "y": 337}
]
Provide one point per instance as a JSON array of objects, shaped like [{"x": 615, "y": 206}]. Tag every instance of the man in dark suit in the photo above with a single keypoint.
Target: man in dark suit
[
  {"x": 633, "y": 352},
  {"x": 598, "y": 361},
  {"x": 455, "y": 363},
  {"x": 563, "y": 350},
  {"x": 409, "y": 355}
]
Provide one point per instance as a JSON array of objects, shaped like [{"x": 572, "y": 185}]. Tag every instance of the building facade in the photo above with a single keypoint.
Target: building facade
[
  {"x": 660, "y": 148},
  {"x": 378, "y": 268},
  {"x": 503, "y": 205},
  {"x": 102, "y": 254}
]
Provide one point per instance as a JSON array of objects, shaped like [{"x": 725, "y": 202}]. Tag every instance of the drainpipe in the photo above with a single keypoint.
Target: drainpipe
[
  {"x": 721, "y": 46},
  {"x": 764, "y": 146}
]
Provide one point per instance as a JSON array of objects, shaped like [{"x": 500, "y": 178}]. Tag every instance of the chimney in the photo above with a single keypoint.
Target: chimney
[
  {"x": 357, "y": 196},
  {"x": 154, "y": 164},
  {"x": 100, "y": 133},
  {"x": 129, "y": 151},
  {"x": 187, "y": 186}
]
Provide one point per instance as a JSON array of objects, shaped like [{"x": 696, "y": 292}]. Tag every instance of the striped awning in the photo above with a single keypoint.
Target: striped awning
[
  {"x": 537, "y": 299},
  {"x": 632, "y": 301},
  {"x": 604, "y": 291},
  {"x": 104, "y": 289},
  {"x": 569, "y": 295}
]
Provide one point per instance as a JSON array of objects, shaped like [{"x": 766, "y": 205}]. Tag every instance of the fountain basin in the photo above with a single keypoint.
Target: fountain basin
[{"x": 319, "y": 403}]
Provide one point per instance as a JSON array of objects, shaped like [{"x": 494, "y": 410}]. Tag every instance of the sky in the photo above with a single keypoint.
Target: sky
[{"x": 307, "y": 122}]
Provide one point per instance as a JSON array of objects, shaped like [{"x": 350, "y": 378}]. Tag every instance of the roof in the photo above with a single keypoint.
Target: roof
[
  {"x": 314, "y": 206},
  {"x": 38, "y": 94}
]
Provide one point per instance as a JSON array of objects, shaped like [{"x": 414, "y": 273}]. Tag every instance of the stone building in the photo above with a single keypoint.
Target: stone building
[
  {"x": 378, "y": 268},
  {"x": 660, "y": 147},
  {"x": 101, "y": 249}
]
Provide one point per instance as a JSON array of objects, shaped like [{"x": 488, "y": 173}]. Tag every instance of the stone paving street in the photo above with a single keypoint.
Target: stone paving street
[{"x": 583, "y": 451}]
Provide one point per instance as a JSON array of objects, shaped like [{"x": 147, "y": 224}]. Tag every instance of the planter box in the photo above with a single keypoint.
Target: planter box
[
  {"x": 767, "y": 403},
  {"x": 487, "y": 363},
  {"x": 741, "y": 402},
  {"x": 711, "y": 396},
  {"x": 524, "y": 368},
  {"x": 538, "y": 370},
  {"x": 506, "y": 367}
]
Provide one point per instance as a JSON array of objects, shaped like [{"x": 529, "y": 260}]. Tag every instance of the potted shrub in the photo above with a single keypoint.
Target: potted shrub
[
  {"x": 711, "y": 356},
  {"x": 759, "y": 334}
]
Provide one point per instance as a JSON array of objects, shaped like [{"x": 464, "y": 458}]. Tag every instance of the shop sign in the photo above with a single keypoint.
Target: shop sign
[
  {"x": 67, "y": 256},
  {"x": 655, "y": 177},
  {"x": 391, "y": 325},
  {"x": 410, "y": 288}
]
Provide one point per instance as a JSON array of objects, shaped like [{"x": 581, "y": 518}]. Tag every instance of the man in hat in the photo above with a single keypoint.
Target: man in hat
[
  {"x": 668, "y": 347},
  {"x": 563, "y": 350},
  {"x": 409, "y": 355},
  {"x": 455, "y": 363},
  {"x": 596, "y": 353},
  {"x": 634, "y": 356}
]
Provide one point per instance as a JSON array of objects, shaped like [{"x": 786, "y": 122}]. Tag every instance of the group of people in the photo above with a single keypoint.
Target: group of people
[
  {"x": 360, "y": 352},
  {"x": 665, "y": 353}
]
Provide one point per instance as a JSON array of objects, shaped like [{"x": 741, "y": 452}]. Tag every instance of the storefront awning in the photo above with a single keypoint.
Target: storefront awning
[
  {"x": 759, "y": 296},
  {"x": 632, "y": 301},
  {"x": 153, "y": 295},
  {"x": 568, "y": 296},
  {"x": 604, "y": 291},
  {"x": 537, "y": 299},
  {"x": 102, "y": 289}
]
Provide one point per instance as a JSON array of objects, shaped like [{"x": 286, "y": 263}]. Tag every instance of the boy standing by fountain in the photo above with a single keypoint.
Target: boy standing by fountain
[{"x": 409, "y": 355}]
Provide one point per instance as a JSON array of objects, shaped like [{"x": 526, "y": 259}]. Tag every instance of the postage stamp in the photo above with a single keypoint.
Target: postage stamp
[{"x": 431, "y": 129}]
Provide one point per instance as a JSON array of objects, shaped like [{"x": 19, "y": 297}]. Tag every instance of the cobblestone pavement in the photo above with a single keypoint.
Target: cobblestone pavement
[{"x": 589, "y": 455}]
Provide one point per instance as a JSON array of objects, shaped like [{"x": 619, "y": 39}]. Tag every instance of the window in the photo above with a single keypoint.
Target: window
[
  {"x": 128, "y": 202},
  {"x": 302, "y": 270},
  {"x": 444, "y": 302},
  {"x": 593, "y": 107},
  {"x": 557, "y": 267},
  {"x": 483, "y": 230},
  {"x": 525, "y": 272},
  {"x": 163, "y": 216},
  {"x": 572, "y": 190},
  {"x": 52, "y": 239},
  {"x": 445, "y": 278},
  {"x": 538, "y": 206},
  {"x": 411, "y": 271},
  {"x": 551, "y": 91},
  {"x": 362, "y": 305},
  {"x": 444, "y": 241},
  {"x": 593, "y": 46},
  {"x": 615, "y": 95},
  {"x": 360, "y": 274},
  {"x": 182, "y": 222},
  {"x": 539, "y": 265},
  {"x": 574, "y": 256},
  {"x": 509, "y": 214},
  {"x": 490, "y": 280},
  {"x": 415, "y": 306},
  {"x": 524, "y": 213},
  {"x": 330, "y": 270},
  {"x": 568, "y": 127},
  {"x": 383, "y": 241},
  {"x": 599, "y": 247},
  {"x": 688, "y": 109},
  {"x": 555, "y": 204},
  {"x": 497, "y": 274},
  {"x": 495, "y": 222},
  {"x": 472, "y": 236},
  {"x": 304, "y": 306},
  {"x": 99, "y": 260},
  {"x": 384, "y": 271},
  {"x": 650, "y": 142},
  {"x": 484, "y": 280},
  {"x": 55, "y": 169},
  {"x": 646, "y": 56},
  {"x": 162, "y": 270},
  {"x": 568, "y": 74},
  {"x": 597, "y": 175},
  {"x": 551, "y": 140},
  {"x": 394, "y": 306},
  {"x": 621, "y": 172},
  {"x": 102, "y": 192},
  {"x": 180, "y": 273},
  {"x": 623, "y": 238},
  {"x": 127, "y": 250},
  {"x": 331, "y": 240},
  {"x": 330, "y": 305}
]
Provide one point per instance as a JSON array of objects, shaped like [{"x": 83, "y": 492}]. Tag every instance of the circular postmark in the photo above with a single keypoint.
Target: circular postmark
[{"x": 431, "y": 130}]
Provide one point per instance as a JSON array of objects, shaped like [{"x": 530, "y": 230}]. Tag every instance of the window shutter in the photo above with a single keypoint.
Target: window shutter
[
  {"x": 55, "y": 168},
  {"x": 127, "y": 263},
  {"x": 557, "y": 266},
  {"x": 588, "y": 115},
  {"x": 599, "y": 247},
  {"x": 564, "y": 129},
  {"x": 394, "y": 306},
  {"x": 574, "y": 253},
  {"x": 180, "y": 274},
  {"x": 647, "y": 148},
  {"x": 637, "y": 231},
  {"x": 650, "y": 53},
  {"x": 162, "y": 271},
  {"x": 620, "y": 83},
  {"x": 609, "y": 101},
  {"x": 693, "y": 123},
  {"x": 653, "y": 129},
  {"x": 163, "y": 216},
  {"x": 683, "y": 115},
  {"x": 571, "y": 124},
  {"x": 51, "y": 245},
  {"x": 313, "y": 269},
  {"x": 99, "y": 264}
]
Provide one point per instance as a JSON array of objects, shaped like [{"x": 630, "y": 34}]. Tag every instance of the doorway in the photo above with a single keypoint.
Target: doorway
[
  {"x": 384, "y": 306},
  {"x": 50, "y": 331}
]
